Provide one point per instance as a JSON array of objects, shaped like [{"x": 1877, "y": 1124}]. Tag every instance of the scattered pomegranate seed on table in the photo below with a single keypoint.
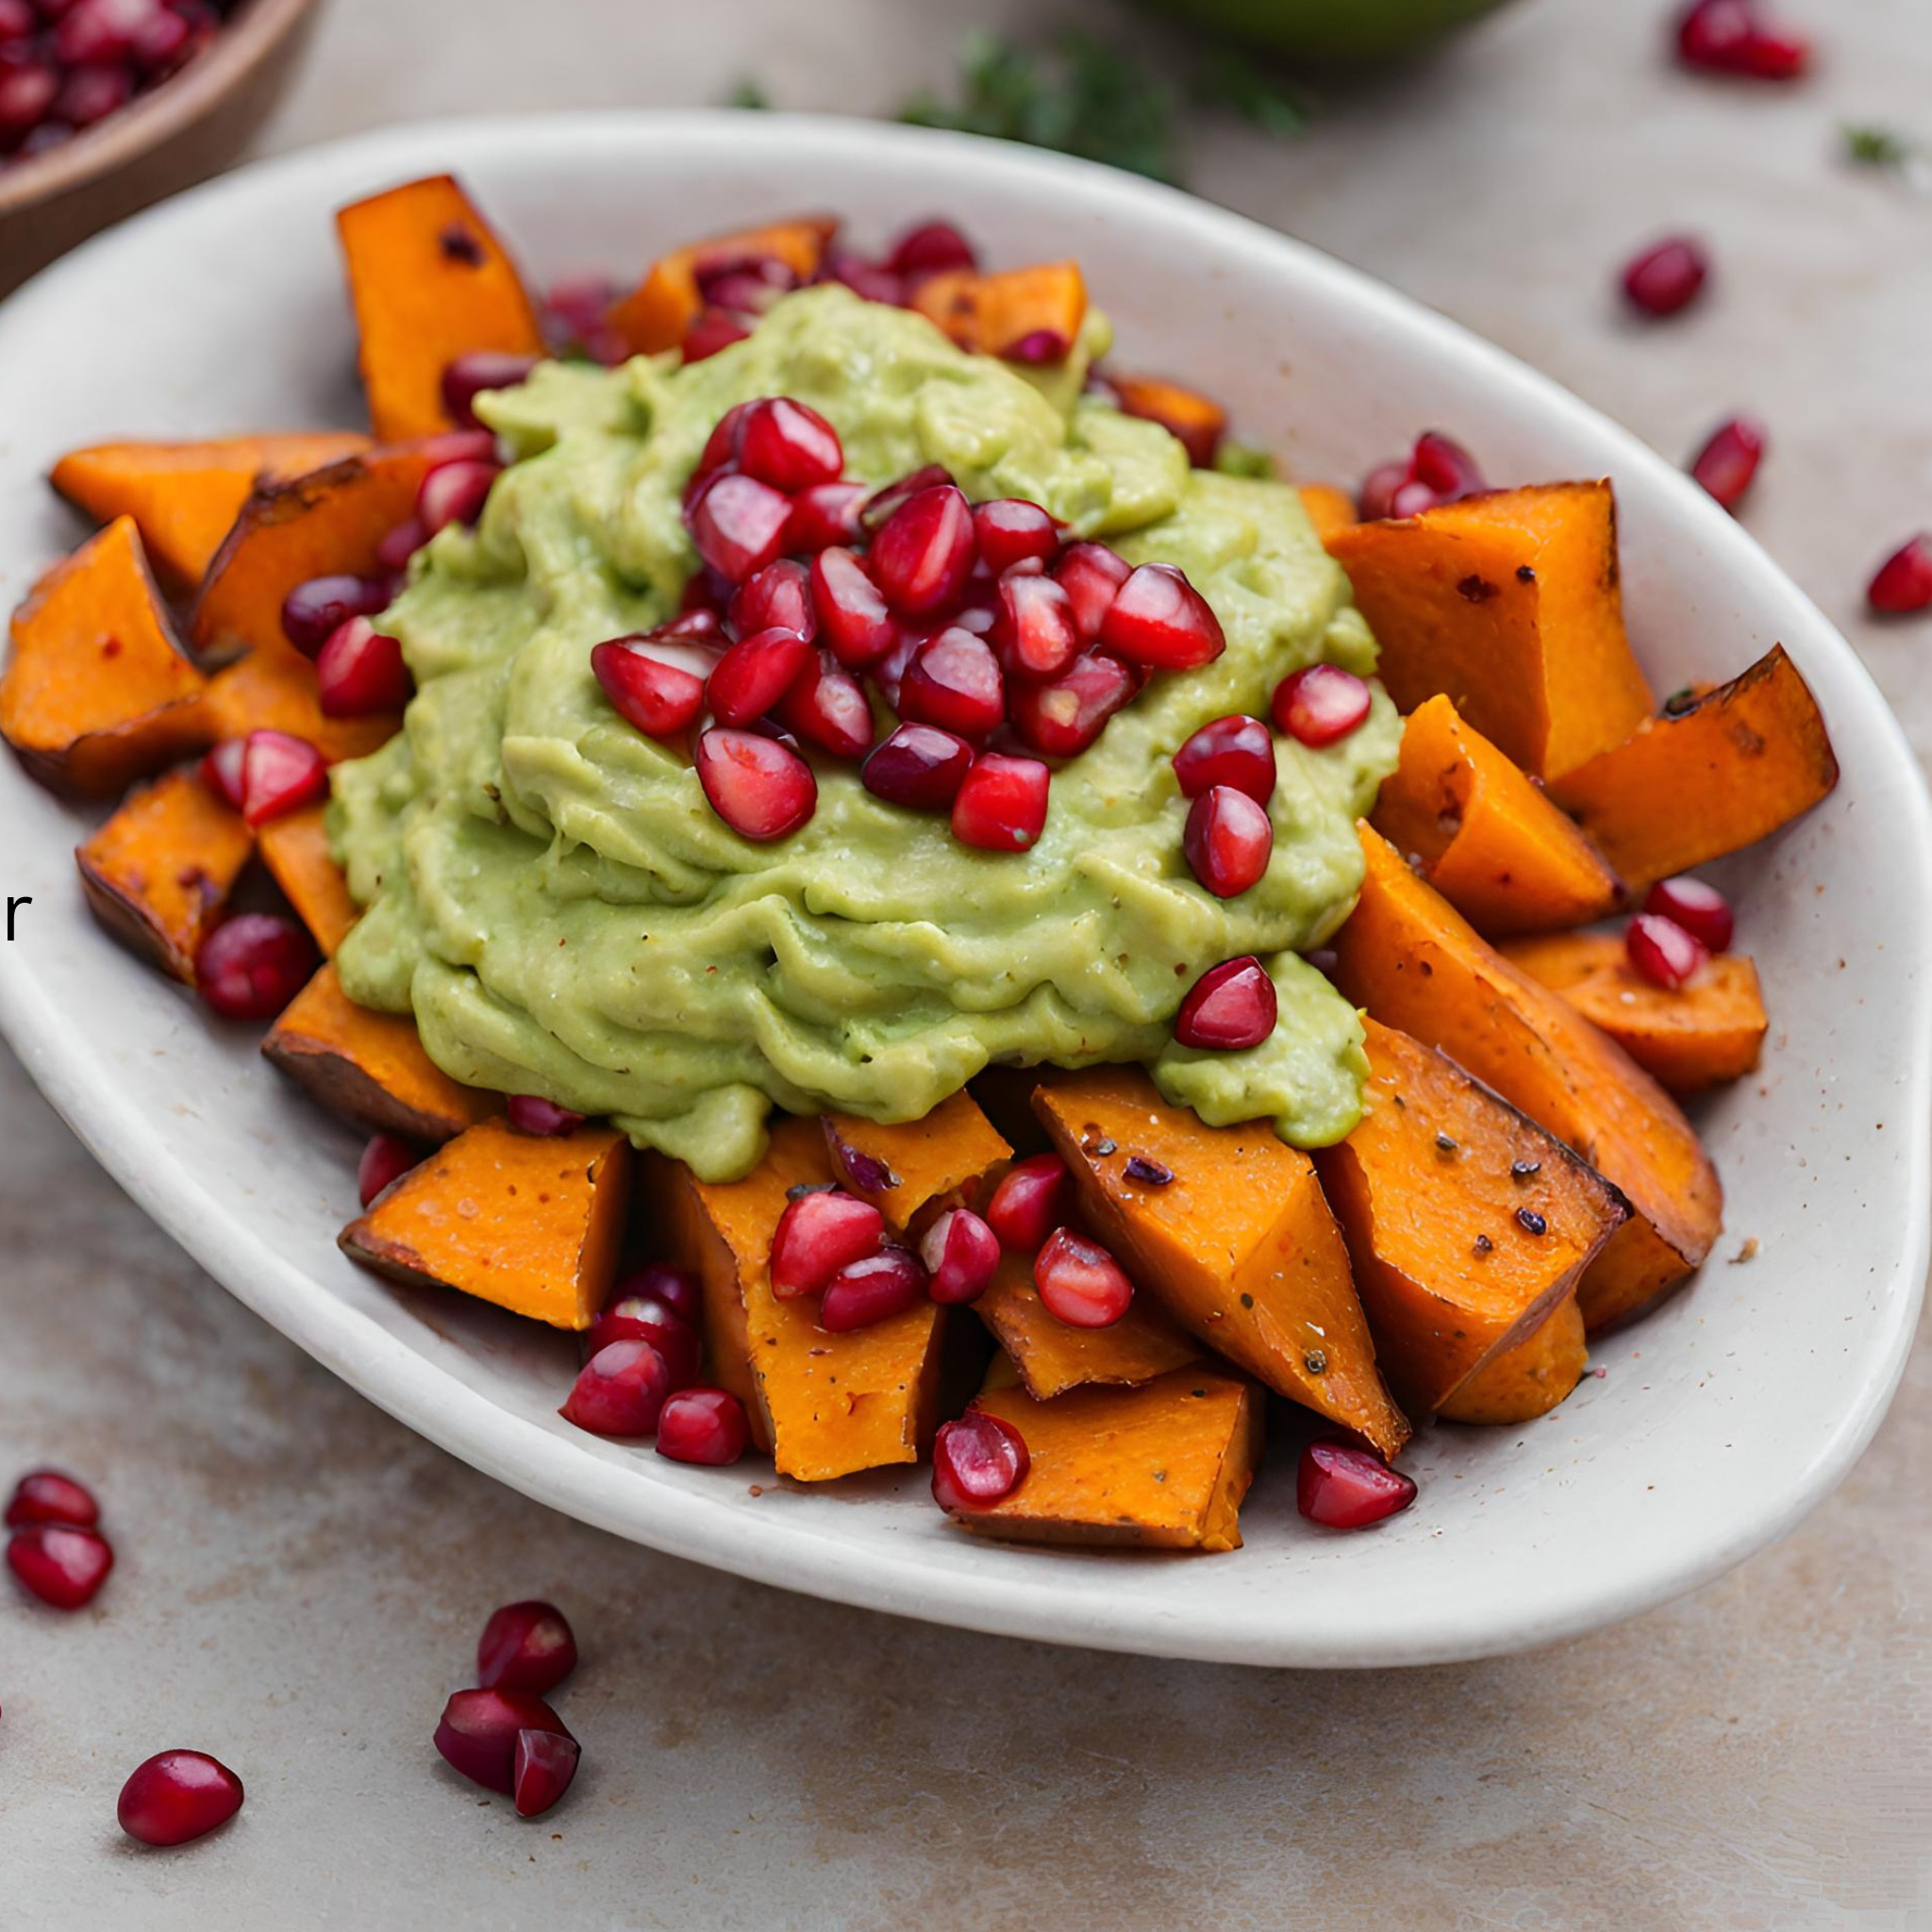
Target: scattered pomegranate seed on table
[
  {"x": 1903, "y": 584},
  {"x": 250, "y": 966},
  {"x": 63, "y": 1564},
  {"x": 477, "y": 1734},
  {"x": 387, "y": 1159},
  {"x": 1735, "y": 37},
  {"x": 1321, "y": 705},
  {"x": 871, "y": 1291},
  {"x": 820, "y": 1234},
  {"x": 1667, "y": 276},
  {"x": 1343, "y": 1486},
  {"x": 961, "y": 1252},
  {"x": 703, "y": 1425},
  {"x": 1730, "y": 460},
  {"x": 526, "y": 1646},
  {"x": 1663, "y": 952},
  {"x": 1231, "y": 1007},
  {"x": 1227, "y": 840},
  {"x": 978, "y": 1460},
  {"x": 1702, "y": 911},
  {"x": 49, "y": 1495},
  {"x": 542, "y": 1771},
  {"x": 619, "y": 1391},
  {"x": 1079, "y": 1282},
  {"x": 1027, "y": 1204},
  {"x": 177, "y": 1796}
]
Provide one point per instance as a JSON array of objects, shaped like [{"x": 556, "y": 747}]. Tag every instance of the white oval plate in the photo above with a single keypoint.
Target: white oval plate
[{"x": 1721, "y": 1418}]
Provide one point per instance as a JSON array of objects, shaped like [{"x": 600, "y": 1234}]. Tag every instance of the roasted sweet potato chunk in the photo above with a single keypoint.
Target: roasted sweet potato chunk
[
  {"x": 1487, "y": 838},
  {"x": 1510, "y": 604},
  {"x": 1530, "y": 1379},
  {"x": 1239, "y": 1247},
  {"x": 429, "y": 283},
  {"x": 297, "y": 851},
  {"x": 1414, "y": 962},
  {"x": 1466, "y": 1222},
  {"x": 370, "y": 1068},
  {"x": 1051, "y": 1355},
  {"x": 993, "y": 314},
  {"x": 158, "y": 874},
  {"x": 1197, "y": 421},
  {"x": 185, "y": 496},
  {"x": 96, "y": 693},
  {"x": 1160, "y": 1467},
  {"x": 1727, "y": 769},
  {"x": 913, "y": 1171},
  {"x": 1696, "y": 1037},
  {"x": 1330, "y": 509},
  {"x": 657, "y": 312},
  {"x": 824, "y": 1405}
]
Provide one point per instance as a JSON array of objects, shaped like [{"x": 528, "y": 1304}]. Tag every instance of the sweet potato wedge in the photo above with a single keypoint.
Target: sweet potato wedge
[
  {"x": 992, "y": 314},
  {"x": 657, "y": 314},
  {"x": 185, "y": 496},
  {"x": 1487, "y": 838},
  {"x": 1699, "y": 1036},
  {"x": 274, "y": 690},
  {"x": 1510, "y": 604},
  {"x": 1415, "y": 964},
  {"x": 1050, "y": 1355},
  {"x": 532, "y": 1225},
  {"x": 370, "y": 1068},
  {"x": 96, "y": 693},
  {"x": 824, "y": 1405},
  {"x": 1530, "y": 1379},
  {"x": 1239, "y": 1247},
  {"x": 295, "y": 849},
  {"x": 1198, "y": 422},
  {"x": 429, "y": 283},
  {"x": 1466, "y": 1222},
  {"x": 159, "y": 872},
  {"x": 1160, "y": 1467},
  {"x": 1330, "y": 509},
  {"x": 1727, "y": 769},
  {"x": 913, "y": 1171}
]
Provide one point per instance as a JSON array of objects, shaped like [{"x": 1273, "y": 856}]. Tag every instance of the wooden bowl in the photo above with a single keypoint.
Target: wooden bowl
[{"x": 188, "y": 128}]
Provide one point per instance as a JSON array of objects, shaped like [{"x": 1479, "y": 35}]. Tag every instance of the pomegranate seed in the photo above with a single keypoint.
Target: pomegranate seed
[
  {"x": 918, "y": 766},
  {"x": 1903, "y": 583},
  {"x": 1227, "y": 840},
  {"x": 752, "y": 677},
  {"x": 1380, "y": 488},
  {"x": 387, "y": 1159},
  {"x": 1727, "y": 462},
  {"x": 659, "y": 699},
  {"x": 361, "y": 671},
  {"x": 704, "y": 1426},
  {"x": 1666, "y": 277},
  {"x": 1027, "y": 1205},
  {"x": 1079, "y": 1282},
  {"x": 868, "y": 279},
  {"x": 221, "y": 770},
  {"x": 715, "y": 329},
  {"x": 678, "y": 1288},
  {"x": 1445, "y": 467},
  {"x": 1320, "y": 706},
  {"x": 1091, "y": 575},
  {"x": 819, "y": 1233},
  {"x": 1413, "y": 499},
  {"x": 177, "y": 1796},
  {"x": 828, "y": 706},
  {"x": 1342, "y": 1486},
  {"x": 92, "y": 93},
  {"x": 790, "y": 446},
  {"x": 578, "y": 304},
  {"x": 865, "y": 1172},
  {"x": 27, "y": 91},
  {"x": 477, "y": 1735},
  {"x": 1158, "y": 619},
  {"x": 1732, "y": 37},
  {"x": 250, "y": 966},
  {"x": 61, "y": 1563},
  {"x": 757, "y": 278},
  {"x": 930, "y": 249},
  {"x": 737, "y": 524},
  {"x": 1011, "y": 530},
  {"x": 1663, "y": 952},
  {"x": 45, "y": 1496},
  {"x": 871, "y": 1291},
  {"x": 1038, "y": 346},
  {"x": 618, "y": 1390},
  {"x": 542, "y": 1770},
  {"x": 644, "y": 1318},
  {"x": 453, "y": 494},
  {"x": 1062, "y": 718},
  {"x": 977, "y": 1461},
  {"x": 761, "y": 789},
  {"x": 314, "y": 611},
  {"x": 961, "y": 1252},
  {"x": 18, "y": 21},
  {"x": 722, "y": 446},
  {"x": 1702, "y": 911},
  {"x": 1236, "y": 751},
  {"x": 530, "y": 1113},
  {"x": 279, "y": 775},
  {"x": 954, "y": 681},
  {"x": 879, "y": 509},
  {"x": 1035, "y": 630},
  {"x": 162, "y": 44},
  {"x": 1002, "y": 805},
  {"x": 856, "y": 623},
  {"x": 396, "y": 547},
  {"x": 890, "y": 671},
  {"x": 469, "y": 377},
  {"x": 925, "y": 552},
  {"x": 778, "y": 598},
  {"x": 92, "y": 30},
  {"x": 824, "y": 515},
  {"x": 526, "y": 1646},
  {"x": 1230, "y": 1006}
]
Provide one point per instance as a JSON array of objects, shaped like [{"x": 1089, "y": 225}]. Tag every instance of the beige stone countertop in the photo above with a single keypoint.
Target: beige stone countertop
[{"x": 301, "y": 1579}]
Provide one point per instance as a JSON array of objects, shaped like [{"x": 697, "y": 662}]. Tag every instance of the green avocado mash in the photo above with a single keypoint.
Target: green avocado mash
[{"x": 551, "y": 894}]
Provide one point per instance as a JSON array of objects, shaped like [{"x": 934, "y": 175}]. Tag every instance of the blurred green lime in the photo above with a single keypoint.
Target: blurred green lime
[{"x": 1332, "y": 29}]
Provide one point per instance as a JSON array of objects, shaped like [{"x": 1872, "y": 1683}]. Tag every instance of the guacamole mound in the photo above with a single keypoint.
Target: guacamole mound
[{"x": 550, "y": 894}]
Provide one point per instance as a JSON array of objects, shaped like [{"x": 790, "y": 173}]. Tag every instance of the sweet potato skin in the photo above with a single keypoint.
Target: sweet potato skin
[
  {"x": 1413, "y": 962},
  {"x": 1051, "y": 1356},
  {"x": 531, "y": 1225},
  {"x": 656, "y": 314},
  {"x": 158, "y": 874},
  {"x": 295, "y": 849},
  {"x": 990, "y": 314},
  {"x": 1198, "y": 422},
  {"x": 1465, "y": 1222},
  {"x": 1240, "y": 1248},
  {"x": 913, "y": 1171},
  {"x": 1735, "y": 765},
  {"x": 429, "y": 281},
  {"x": 1698, "y": 1036},
  {"x": 1164, "y": 1466},
  {"x": 1530, "y": 1379},
  {"x": 1489, "y": 840}
]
